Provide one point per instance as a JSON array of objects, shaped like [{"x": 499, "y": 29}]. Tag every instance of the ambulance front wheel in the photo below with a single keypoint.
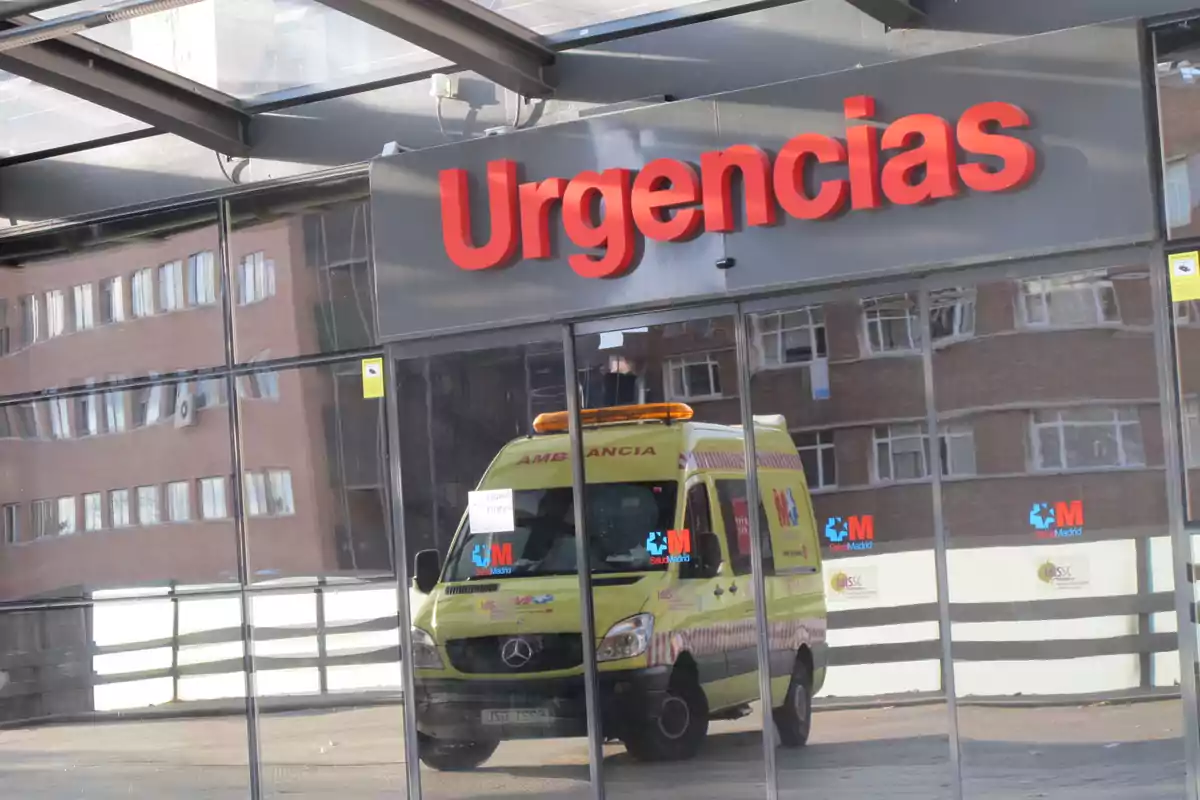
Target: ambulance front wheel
[
  {"x": 679, "y": 726},
  {"x": 793, "y": 719},
  {"x": 453, "y": 755}
]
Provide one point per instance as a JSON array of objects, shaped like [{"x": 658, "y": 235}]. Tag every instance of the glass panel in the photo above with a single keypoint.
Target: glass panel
[
  {"x": 251, "y": 48},
  {"x": 554, "y": 16},
  {"x": 1178, "y": 71},
  {"x": 111, "y": 268},
  {"x": 314, "y": 451},
  {"x": 99, "y": 698},
  {"x": 121, "y": 541},
  {"x": 37, "y": 117},
  {"x": 1061, "y": 583},
  {"x": 327, "y": 677},
  {"x": 856, "y": 652},
  {"x": 489, "y": 527},
  {"x": 302, "y": 275},
  {"x": 669, "y": 524}
]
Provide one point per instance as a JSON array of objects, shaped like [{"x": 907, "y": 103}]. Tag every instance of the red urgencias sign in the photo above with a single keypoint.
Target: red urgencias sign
[{"x": 670, "y": 200}]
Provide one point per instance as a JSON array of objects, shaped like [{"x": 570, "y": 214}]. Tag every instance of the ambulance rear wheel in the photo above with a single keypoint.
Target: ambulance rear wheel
[
  {"x": 793, "y": 719},
  {"x": 453, "y": 755},
  {"x": 679, "y": 727}
]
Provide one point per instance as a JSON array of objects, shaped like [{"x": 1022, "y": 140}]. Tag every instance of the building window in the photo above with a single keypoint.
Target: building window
[
  {"x": 1191, "y": 431},
  {"x": 170, "y": 286},
  {"x": 60, "y": 418},
  {"x": 269, "y": 494},
  {"x": 1068, "y": 301},
  {"x": 89, "y": 413},
  {"x": 44, "y": 522},
  {"x": 210, "y": 393},
  {"x": 179, "y": 501},
  {"x": 5, "y": 332},
  {"x": 1087, "y": 438},
  {"x": 66, "y": 515},
  {"x": 142, "y": 292},
  {"x": 118, "y": 501},
  {"x": 30, "y": 319},
  {"x": 112, "y": 301},
  {"x": 1179, "y": 194},
  {"x": 85, "y": 308},
  {"x": 56, "y": 313},
  {"x": 114, "y": 411},
  {"x": 819, "y": 459},
  {"x": 891, "y": 324},
  {"x": 696, "y": 377},
  {"x": 148, "y": 501},
  {"x": 790, "y": 337},
  {"x": 24, "y": 421},
  {"x": 202, "y": 279},
  {"x": 147, "y": 410},
  {"x": 259, "y": 386},
  {"x": 212, "y": 499},
  {"x": 93, "y": 512},
  {"x": 256, "y": 278},
  {"x": 952, "y": 314},
  {"x": 957, "y": 443},
  {"x": 12, "y": 523}
]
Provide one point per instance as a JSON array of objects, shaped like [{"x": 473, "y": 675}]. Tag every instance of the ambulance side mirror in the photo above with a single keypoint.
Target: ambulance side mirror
[
  {"x": 708, "y": 549},
  {"x": 426, "y": 568}
]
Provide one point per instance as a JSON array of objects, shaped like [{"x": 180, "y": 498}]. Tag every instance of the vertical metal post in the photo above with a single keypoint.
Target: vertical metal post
[
  {"x": 1166, "y": 355},
  {"x": 412, "y": 760},
  {"x": 940, "y": 546},
  {"x": 174, "y": 642},
  {"x": 1145, "y": 620},
  {"x": 587, "y": 619},
  {"x": 322, "y": 644},
  {"x": 224, "y": 227},
  {"x": 758, "y": 579}
]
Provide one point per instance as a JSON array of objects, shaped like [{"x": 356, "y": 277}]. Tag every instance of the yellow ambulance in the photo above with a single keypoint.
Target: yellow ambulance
[{"x": 497, "y": 650}]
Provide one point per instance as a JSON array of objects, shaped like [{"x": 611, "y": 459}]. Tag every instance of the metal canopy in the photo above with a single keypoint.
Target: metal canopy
[
  {"x": 109, "y": 78},
  {"x": 893, "y": 13},
  {"x": 464, "y": 32}
]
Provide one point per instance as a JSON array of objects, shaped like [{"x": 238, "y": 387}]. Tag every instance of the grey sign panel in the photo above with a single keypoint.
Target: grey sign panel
[
  {"x": 1081, "y": 87},
  {"x": 421, "y": 290}
]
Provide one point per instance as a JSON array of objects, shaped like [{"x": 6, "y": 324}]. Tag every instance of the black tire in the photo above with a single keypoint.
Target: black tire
[
  {"x": 678, "y": 727},
  {"x": 454, "y": 755},
  {"x": 794, "y": 718}
]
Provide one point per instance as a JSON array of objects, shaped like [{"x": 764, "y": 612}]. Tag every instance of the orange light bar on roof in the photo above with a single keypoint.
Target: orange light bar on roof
[{"x": 557, "y": 421}]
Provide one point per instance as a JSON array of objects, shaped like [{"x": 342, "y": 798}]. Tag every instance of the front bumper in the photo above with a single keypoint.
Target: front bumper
[{"x": 466, "y": 708}]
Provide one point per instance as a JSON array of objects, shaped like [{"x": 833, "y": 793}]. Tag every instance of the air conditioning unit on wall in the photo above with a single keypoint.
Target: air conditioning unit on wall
[{"x": 185, "y": 407}]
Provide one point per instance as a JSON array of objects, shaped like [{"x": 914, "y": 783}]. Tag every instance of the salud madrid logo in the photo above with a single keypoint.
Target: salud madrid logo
[
  {"x": 668, "y": 548},
  {"x": 850, "y": 533},
  {"x": 787, "y": 508},
  {"x": 1061, "y": 520}
]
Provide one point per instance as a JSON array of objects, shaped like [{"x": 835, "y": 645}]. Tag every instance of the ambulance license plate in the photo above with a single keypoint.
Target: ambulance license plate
[{"x": 515, "y": 716}]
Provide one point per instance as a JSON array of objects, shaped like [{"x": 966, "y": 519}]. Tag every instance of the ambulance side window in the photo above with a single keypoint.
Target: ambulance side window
[
  {"x": 697, "y": 518},
  {"x": 735, "y": 511}
]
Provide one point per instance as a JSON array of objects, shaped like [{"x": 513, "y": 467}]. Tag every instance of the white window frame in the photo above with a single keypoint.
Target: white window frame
[
  {"x": 213, "y": 500},
  {"x": 12, "y": 523},
  {"x": 1123, "y": 459},
  {"x": 957, "y": 430},
  {"x": 141, "y": 293},
  {"x": 824, "y": 442},
  {"x": 60, "y": 417},
  {"x": 875, "y": 313},
  {"x": 84, "y": 301},
  {"x": 44, "y": 516},
  {"x": 120, "y": 508},
  {"x": 769, "y": 344},
  {"x": 202, "y": 279},
  {"x": 179, "y": 501},
  {"x": 93, "y": 511},
  {"x": 115, "y": 418},
  {"x": 680, "y": 365},
  {"x": 171, "y": 289},
  {"x": 113, "y": 288},
  {"x": 255, "y": 488},
  {"x": 281, "y": 500},
  {"x": 56, "y": 313},
  {"x": 149, "y": 505},
  {"x": 256, "y": 278},
  {"x": 1045, "y": 287},
  {"x": 66, "y": 510},
  {"x": 892, "y": 436},
  {"x": 29, "y": 310},
  {"x": 964, "y": 312}
]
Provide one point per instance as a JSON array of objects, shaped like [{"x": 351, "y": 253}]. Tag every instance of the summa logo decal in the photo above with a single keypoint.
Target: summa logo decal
[{"x": 914, "y": 160}]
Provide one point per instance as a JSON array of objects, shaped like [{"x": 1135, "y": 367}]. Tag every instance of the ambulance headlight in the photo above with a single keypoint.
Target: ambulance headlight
[
  {"x": 627, "y": 639},
  {"x": 424, "y": 651}
]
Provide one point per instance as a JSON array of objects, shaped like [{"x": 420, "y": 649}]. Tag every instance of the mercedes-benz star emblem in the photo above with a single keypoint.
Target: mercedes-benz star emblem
[{"x": 516, "y": 653}]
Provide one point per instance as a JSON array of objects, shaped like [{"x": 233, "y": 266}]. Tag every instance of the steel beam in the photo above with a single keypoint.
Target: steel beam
[
  {"x": 107, "y": 77},
  {"x": 892, "y": 13},
  {"x": 466, "y": 33}
]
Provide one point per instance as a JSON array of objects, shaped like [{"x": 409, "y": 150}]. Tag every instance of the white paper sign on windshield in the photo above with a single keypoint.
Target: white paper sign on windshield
[{"x": 491, "y": 511}]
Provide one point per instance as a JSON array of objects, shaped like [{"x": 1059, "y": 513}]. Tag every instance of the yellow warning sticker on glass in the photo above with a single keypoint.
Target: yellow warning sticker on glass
[
  {"x": 372, "y": 378},
  {"x": 1185, "y": 276}
]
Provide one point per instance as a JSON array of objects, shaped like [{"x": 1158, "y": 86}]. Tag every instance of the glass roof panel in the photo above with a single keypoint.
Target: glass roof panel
[
  {"x": 256, "y": 49},
  {"x": 34, "y": 117},
  {"x": 555, "y": 16}
]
